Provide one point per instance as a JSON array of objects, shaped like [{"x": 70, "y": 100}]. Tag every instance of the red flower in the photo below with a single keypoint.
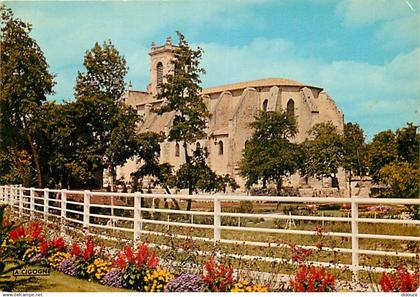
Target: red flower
[
  {"x": 311, "y": 279},
  {"x": 400, "y": 281},
  {"x": 34, "y": 231},
  {"x": 76, "y": 249},
  {"x": 44, "y": 247},
  {"x": 58, "y": 244},
  {"x": 89, "y": 250},
  {"x": 129, "y": 255},
  {"x": 17, "y": 233},
  {"x": 218, "y": 277}
]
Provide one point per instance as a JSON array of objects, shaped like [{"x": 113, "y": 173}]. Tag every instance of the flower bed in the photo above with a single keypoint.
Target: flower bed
[{"x": 139, "y": 268}]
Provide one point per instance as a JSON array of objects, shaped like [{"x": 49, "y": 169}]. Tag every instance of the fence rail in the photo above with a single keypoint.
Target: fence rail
[{"x": 59, "y": 203}]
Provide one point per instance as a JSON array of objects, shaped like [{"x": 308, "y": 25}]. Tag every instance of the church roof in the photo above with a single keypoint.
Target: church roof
[{"x": 267, "y": 82}]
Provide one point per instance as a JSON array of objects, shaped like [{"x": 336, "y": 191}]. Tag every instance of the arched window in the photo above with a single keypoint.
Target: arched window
[
  {"x": 265, "y": 104},
  {"x": 177, "y": 150},
  {"x": 159, "y": 73},
  {"x": 197, "y": 146},
  {"x": 220, "y": 147},
  {"x": 291, "y": 108}
]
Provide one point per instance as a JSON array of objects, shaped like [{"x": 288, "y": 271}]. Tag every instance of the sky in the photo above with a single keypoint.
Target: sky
[{"x": 364, "y": 53}]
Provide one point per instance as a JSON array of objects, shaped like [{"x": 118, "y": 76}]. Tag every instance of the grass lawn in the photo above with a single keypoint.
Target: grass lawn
[{"x": 60, "y": 282}]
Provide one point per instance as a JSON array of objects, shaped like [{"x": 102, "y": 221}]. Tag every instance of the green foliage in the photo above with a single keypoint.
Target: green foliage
[
  {"x": 408, "y": 141},
  {"x": 24, "y": 84},
  {"x": 106, "y": 128},
  {"x": 354, "y": 149},
  {"x": 381, "y": 151},
  {"x": 324, "y": 152},
  {"x": 269, "y": 154},
  {"x": 401, "y": 179}
]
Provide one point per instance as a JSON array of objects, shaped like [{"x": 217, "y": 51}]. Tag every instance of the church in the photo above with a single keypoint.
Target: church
[{"x": 232, "y": 108}]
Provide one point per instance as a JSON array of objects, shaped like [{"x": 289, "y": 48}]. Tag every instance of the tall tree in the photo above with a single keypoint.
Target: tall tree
[
  {"x": 408, "y": 143},
  {"x": 354, "y": 151},
  {"x": 269, "y": 155},
  {"x": 24, "y": 84},
  {"x": 324, "y": 152},
  {"x": 181, "y": 92},
  {"x": 381, "y": 151},
  {"x": 106, "y": 127}
]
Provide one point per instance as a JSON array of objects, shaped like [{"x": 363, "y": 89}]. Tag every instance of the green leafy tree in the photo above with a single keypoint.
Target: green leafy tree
[
  {"x": 106, "y": 127},
  {"x": 381, "y": 151},
  {"x": 24, "y": 84},
  {"x": 181, "y": 92},
  {"x": 269, "y": 155},
  {"x": 324, "y": 152},
  {"x": 354, "y": 151},
  {"x": 401, "y": 179},
  {"x": 408, "y": 141}
]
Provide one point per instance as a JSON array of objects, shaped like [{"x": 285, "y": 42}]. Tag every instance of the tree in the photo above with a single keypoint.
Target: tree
[
  {"x": 24, "y": 84},
  {"x": 401, "y": 179},
  {"x": 106, "y": 126},
  {"x": 324, "y": 152},
  {"x": 354, "y": 150},
  {"x": 269, "y": 154},
  {"x": 381, "y": 151},
  {"x": 408, "y": 141},
  {"x": 181, "y": 92}
]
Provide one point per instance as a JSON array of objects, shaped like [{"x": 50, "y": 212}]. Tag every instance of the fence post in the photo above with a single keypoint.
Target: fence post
[
  {"x": 21, "y": 200},
  {"x": 137, "y": 218},
  {"x": 355, "y": 239},
  {"x": 63, "y": 206},
  {"x": 217, "y": 218},
  {"x": 12, "y": 196},
  {"x": 86, "y": 208},
  {"x": 46, "y": 194},
  {"x": 32, "y": 202}
]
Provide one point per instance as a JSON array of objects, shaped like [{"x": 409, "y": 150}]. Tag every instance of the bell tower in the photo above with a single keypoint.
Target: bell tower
[{"x": 160, "y": 63}]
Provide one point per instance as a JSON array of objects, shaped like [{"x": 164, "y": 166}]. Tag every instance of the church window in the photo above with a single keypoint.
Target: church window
[
  {"x": 177, "y": 150},
  {"x": 159, "y": 73},
  {"x": 265, "y": 105},
  {"x": 291, "y": 108},
  {"x": 220, "y": 147}
]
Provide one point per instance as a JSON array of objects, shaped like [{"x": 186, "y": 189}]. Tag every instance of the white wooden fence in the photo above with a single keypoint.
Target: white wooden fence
[{"x": 55, "y": 203}]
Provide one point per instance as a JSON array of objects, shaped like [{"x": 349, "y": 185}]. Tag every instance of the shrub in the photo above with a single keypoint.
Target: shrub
[
  {"x": 186, "y": 283},
  {"x": 156, "y": 280},
  {"x": 311, "y": 279},
  {"x": 399, "y": 281},
  {"x": 218, "y": 277}
]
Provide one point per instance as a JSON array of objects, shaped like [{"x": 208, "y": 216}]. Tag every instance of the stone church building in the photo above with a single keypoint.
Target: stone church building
[{"x": 233, "y": 107}]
